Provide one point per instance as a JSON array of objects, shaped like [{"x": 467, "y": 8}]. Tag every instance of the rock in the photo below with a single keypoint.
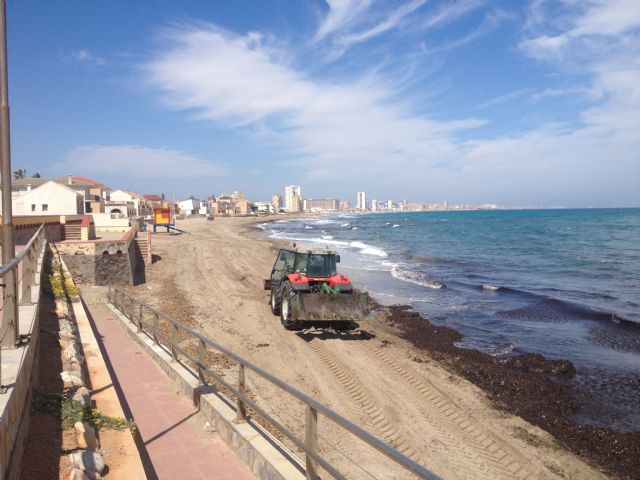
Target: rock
[
  {"x": 82, "y": 397},
  {"x": 87, "y": 460},
  {"x": 71, "y": 379},
  {"x": 88, "y": 439},
  {"x": 77, "y": 474}
]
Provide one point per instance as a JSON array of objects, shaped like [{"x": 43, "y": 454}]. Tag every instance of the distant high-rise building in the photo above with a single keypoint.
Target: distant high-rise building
[
  {"x": 292, "y": 198},
  {"x": 445, "y": 205},
  {"x": 374, "y": 205},
  {"x": 389, "y": 205},
  {"x": 276, "y": 201},
  {"x": 321, "y": 204},
  {"x": 345, "y": 205},
  {"x": 361, "y": 203}
]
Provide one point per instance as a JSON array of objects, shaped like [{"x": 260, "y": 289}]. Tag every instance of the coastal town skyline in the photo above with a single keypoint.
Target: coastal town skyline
[{"x": 470, "y": 101}]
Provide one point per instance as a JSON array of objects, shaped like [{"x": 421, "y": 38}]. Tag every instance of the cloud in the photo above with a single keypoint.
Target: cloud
[
  {"x": 392, "y": 21},
  {"x": 451, "y": 11},
  {"x": 136, "y": 161},
  {"x": 337, "y": 130},
  {"x": 84, "y": 56},
  {"x": 233, "y": 80},
  {"x": 342, "y": 13}
]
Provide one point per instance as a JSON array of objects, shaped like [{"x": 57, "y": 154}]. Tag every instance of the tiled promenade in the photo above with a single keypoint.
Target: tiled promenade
[{"x": 171, "y": 431}]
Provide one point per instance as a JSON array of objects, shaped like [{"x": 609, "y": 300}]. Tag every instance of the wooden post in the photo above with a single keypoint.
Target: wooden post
[
  {"x": 241, "y": 414},
  {"x": 311, "y": 442}
]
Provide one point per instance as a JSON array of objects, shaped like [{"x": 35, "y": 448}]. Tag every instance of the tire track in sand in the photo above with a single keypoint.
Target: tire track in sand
[
  {"x": 502, "y": 461},
  {"x": 362, "y": 400}
]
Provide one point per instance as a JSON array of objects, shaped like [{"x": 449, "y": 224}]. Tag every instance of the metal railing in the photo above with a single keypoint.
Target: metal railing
[
  {"x": 18, "y": 277},
  {"x": 310, "y": 444}
]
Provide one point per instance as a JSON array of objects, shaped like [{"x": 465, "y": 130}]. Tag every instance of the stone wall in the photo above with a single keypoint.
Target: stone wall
[{"x": 100, "y": 262}]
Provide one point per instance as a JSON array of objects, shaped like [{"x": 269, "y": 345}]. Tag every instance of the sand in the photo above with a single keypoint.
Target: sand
[{"x": 212, "y": 279}]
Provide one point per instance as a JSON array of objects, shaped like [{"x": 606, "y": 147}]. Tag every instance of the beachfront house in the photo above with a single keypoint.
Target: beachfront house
[
  {"x": 139, "y": 203},
  {"x": 49, "y": 198},
  {"x": 191, "y": 206}
]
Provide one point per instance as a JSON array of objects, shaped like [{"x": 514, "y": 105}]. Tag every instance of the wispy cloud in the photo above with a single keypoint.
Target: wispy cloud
[
  {"x": 452, "y": 11},
  {"x": 84, "y": 56},
  {"x": 393, "y": 20},
  {"x": 136, "y": 161},
  {"x": 233, "y": 80},
  {"x": 507, "y": 97},
  {"x": 368, "y": 131},
  {"x": 491, "y": 22},
  {"x": 342, "y": 14}
]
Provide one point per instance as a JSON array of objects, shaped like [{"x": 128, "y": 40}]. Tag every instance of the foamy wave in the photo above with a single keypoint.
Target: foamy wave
[
  {"x": 416, "y": 278},
  {"x": 345, "y": 225},
  {"x": 308, "y": 227},
  {"x": 395, "y": 226},
  {"x": 328, "y": 240},
  {"x": 490, "y": 288}
]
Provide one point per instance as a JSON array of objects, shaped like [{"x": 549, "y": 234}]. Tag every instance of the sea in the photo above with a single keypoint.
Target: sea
[{"x": 562, "y": 283}]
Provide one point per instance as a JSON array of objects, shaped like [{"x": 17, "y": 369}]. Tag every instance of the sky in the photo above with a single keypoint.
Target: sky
[{"x": 520, "y": 103}]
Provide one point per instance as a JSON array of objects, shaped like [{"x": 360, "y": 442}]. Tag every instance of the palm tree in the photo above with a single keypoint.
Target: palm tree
[
  {"x": 20, "y": 173},
  {"x": 36, "y": 175}
]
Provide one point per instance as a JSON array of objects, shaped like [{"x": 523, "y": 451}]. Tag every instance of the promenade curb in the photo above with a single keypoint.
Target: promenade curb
[{"x": 266, "y": 457}]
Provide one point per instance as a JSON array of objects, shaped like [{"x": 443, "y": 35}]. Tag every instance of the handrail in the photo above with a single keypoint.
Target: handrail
[
  {"x": 17, "y": 291},
  {"x": 4, "y": 268},
  {"x": 313, "y": 406}
]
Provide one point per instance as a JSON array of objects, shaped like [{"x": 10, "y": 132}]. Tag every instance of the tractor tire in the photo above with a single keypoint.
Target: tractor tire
[
  {"x": 275, "y": 302},
  {"x": 285, "y": 311}
]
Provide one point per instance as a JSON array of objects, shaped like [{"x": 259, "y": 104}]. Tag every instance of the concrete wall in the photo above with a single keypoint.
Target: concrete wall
[{"x": 104, "y": 222}]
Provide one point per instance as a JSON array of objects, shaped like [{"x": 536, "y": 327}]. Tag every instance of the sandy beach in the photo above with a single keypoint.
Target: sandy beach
[{"x": 379, "y": 376}]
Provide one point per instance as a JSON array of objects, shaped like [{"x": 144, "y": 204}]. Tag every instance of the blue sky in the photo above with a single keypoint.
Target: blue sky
[{"x": 473, "y": 101}]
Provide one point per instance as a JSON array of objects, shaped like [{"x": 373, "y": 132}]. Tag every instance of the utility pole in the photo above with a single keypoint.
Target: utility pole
[{"x": 9, "y": 332}]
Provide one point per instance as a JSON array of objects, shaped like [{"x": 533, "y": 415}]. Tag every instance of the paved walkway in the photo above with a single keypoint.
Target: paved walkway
[{"x": 171, "y": 431}]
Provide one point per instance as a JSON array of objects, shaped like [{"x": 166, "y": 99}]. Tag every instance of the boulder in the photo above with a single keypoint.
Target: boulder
[
  {"x": 71, "y": 379},
  {"x": 87, "y": 460}
]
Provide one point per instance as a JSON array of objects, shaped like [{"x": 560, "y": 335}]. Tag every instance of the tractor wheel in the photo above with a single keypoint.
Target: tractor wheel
[
  {"x": 285, "y": 308},
  {"x": 275, "y": 302}
]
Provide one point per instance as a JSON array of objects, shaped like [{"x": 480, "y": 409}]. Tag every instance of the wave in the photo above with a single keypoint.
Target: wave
[
  {"x": 395, "y": 225},
  {"x": 329, "y": 240},
  {"x": 416, "y": 278},
  {"x": 490, "y": 288},
  {"x": 549, "y": 309}
]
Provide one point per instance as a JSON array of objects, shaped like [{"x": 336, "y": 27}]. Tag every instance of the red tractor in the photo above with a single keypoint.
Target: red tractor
[{"x": 306, "y": 288}]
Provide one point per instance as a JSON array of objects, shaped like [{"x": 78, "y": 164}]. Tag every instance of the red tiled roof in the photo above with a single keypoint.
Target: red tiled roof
[
  {"x": 78, "y": 179},
  {"x": 152, "y": 196}
]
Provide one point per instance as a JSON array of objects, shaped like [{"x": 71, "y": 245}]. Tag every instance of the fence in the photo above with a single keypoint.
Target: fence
[
  {"x": 18, "y": 277},
  {"x": 134, "y": 310},
  {"x": 20, "y": 281}
]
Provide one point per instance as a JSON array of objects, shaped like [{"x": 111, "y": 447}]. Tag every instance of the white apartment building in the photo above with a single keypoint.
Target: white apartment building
[
  {"x": 292, "y": 198},
  {"x": 361, "y": 203}
]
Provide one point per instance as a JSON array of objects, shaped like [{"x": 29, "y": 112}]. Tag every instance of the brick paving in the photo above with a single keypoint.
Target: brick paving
[{"x": 171, "y": 431}]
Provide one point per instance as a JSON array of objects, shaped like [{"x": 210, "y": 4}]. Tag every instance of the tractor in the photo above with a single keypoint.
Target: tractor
[{"x": 306, "y": 289}]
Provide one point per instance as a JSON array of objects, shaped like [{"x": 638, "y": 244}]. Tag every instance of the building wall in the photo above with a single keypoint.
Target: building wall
[{"x": 58, "y": 201}]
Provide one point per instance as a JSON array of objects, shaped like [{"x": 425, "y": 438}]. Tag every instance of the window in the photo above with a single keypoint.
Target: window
[
  {"x": 33, "y": 207},
  {"x": 45, "y": 207}
]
